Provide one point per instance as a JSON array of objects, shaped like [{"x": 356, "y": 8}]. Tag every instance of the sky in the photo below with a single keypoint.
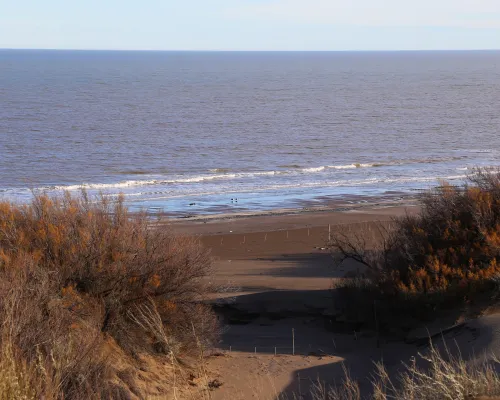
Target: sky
[{"x": 313, "y": 25}]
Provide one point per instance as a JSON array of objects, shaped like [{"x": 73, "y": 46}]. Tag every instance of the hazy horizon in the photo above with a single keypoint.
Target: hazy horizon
[{"x": 251, "y": 51}]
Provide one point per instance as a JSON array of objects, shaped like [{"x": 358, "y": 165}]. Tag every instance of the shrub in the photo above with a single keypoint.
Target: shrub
[
  {"x": 447, "y": 254},
  {"x": 77, "y": 277},
  {"x": 454, "y": 244}
]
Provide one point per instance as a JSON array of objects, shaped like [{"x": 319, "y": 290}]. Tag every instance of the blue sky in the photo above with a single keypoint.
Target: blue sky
[{"x": 250, "y": 24}]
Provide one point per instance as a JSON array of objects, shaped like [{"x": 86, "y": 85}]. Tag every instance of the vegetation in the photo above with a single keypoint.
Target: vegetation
[
  {"x": 444, "y": 377},
  {"x": 448, "y": 255},
  {"x": 87, "y": 289}
]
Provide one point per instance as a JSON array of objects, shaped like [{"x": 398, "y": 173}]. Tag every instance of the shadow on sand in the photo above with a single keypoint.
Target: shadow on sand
[
  {"x": 475, "y": 341},
  {"x": 309, "y": 265},
  {"x": 299, "y": 321}
]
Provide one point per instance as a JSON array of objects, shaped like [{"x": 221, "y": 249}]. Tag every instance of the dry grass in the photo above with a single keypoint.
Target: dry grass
[
  {"x": 443, "y": 377},
  {"x": 86, "y": 291}
]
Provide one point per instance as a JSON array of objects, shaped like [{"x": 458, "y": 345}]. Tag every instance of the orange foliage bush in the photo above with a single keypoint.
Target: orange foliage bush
[
  {"x": 445, "y": 255},
  {"x": 453, "y": 244},
  {"x": 75, "y": 272}
]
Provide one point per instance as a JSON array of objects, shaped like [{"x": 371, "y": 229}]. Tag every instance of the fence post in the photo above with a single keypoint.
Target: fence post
[{"x": 329, "y": 232}]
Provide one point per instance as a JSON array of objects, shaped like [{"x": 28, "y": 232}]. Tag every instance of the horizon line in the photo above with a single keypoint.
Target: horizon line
[{"x": 246, "y": 51}]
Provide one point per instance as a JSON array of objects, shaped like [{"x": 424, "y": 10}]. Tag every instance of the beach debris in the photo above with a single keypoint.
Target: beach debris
[{"x": 215, "y": 384}]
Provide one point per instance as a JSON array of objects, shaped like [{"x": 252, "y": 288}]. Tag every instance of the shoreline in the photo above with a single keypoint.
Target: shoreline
[{"x": 326, "y": 206}]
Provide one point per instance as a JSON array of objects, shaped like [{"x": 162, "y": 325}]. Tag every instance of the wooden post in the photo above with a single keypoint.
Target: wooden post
[
  {"x": 265, "y": 237},
  {"x": 221, "y": 241},
  {"x": 275, "y": 351},
  {"x": 287, "y": 234},
  {"x": 308, "y": 232},
  {"x": 230, "y": 349},
  {"x": 293, "y": 341},
  {"x": 329, "y": 232}
]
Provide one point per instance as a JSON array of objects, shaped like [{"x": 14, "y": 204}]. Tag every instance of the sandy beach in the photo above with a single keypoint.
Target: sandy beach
[
  {"x": 279, "y": 273},
  {"x": 282, "y": 251}
]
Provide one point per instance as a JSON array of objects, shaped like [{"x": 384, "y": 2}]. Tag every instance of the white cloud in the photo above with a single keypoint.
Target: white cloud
[{"x": 395, "y": 13}]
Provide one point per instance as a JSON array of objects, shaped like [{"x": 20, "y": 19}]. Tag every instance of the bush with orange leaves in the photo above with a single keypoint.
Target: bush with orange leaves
[
  {"x": 447, "y": 255},
  {"x": 81, "y": 276}
]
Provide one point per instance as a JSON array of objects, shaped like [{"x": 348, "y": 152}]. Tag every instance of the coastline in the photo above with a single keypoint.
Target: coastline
[{"x": 342, "y": 211}]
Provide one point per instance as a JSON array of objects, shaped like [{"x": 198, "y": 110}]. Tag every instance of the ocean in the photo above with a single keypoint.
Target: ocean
[{"x": 191, "y": 132}]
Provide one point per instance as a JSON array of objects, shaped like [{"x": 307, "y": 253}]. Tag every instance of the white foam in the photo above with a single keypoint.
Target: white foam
[
  {"x": 215, "y": 176},
  {"x": 245, "y": 181},
  {"x": 313, "y": 169},
  {"x": 352, "y": 166},
  {"x": 219, "y": 170}
]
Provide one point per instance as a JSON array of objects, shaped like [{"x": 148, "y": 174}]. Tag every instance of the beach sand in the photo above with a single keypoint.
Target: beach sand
[
  {"x": 278, "y": 273},
  {"x": 277, "y": 270},
  {"x": 281, "y": 252}
]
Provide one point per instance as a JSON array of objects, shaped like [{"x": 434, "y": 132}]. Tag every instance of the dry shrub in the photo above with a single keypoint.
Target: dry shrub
[
  {"x": 454, "y": 244},
  {"x": 447, "y": 255},
  {"x": 78, "y": 278}
]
